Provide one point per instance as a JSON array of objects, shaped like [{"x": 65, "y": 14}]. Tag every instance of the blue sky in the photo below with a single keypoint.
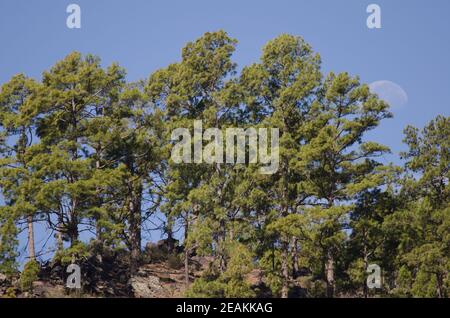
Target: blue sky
[{"x": 412, "y": 48}]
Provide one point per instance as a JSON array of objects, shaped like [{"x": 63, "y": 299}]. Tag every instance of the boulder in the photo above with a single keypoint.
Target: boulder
[{"x": 146, "y": 287}]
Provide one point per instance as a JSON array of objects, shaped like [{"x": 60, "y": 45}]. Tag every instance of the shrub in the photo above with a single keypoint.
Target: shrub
[
  {"x": 10, "y": 293},
  {"x": 202, "y": 288},
  {"x": 29, "y": 275}
]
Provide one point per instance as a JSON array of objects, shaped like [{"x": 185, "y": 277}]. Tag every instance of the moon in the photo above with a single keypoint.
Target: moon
[{"x": 390, "y": 92}]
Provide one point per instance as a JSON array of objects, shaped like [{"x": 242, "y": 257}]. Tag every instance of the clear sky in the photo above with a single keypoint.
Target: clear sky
[{"x": 412, "y": 48}]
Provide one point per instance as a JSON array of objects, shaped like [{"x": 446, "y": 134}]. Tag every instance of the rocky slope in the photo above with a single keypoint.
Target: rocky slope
[{"x": 105, "y": 274}]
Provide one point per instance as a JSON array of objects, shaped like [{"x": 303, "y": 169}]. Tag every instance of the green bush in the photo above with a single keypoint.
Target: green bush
[
  {"x": 75, "y": 253},
  {"x": 29, "y": 275},
  {"x": 201, "y": 288}
]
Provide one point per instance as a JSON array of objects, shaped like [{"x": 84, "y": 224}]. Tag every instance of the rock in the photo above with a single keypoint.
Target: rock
[
  {"x": 42, "y": 289},
  {"x": 56, "y": 273},
  {"x": 3, "y": 284},
  {"x": 198, "y": 264},
  {"x": 146, "y": 287}
]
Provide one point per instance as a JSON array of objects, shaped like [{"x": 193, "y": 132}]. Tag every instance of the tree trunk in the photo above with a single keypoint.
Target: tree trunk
[
  {"x": 366, "y": 265},
  {"x": 273, "y": 256},
  {"x": 59, "y": 235},
  {"x": 59, "y": 241},
  {"x": 329, "y": 266},
  {"x": 98, "y": 229},
  {"x": 330, "y": 274},
  {"x": 73, "y": 233},
  {"x": 294, "y": 257},
  {"x": 72, "y": 229},
  {"x": 221, "y": 249},
  {"x": 186, "y": 252},
  {"x": 135, "y": 228},
  {"x": 285, "y": 272},
  {"x": 439, "y": 283},
  {"x": 31, "y": 247}
]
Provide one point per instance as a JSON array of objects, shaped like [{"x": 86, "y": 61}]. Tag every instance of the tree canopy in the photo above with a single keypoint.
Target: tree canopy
[{"x": 83, "y": 150}]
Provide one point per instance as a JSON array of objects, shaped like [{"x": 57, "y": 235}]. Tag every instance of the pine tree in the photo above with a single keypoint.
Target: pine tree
[
  {"x": 65, "y": 161},
  {"x": 368, "y": 242},
  {"x": 135, "y": 149},
  {"x": 421, "y": 226},
  {"x": 18, "y": 133},
  {"x": 280, "y": 92},
  {"x": 340, "y": 163},
  {"x": 8, "y": 242},
  {"x": 193, "y": 89}
]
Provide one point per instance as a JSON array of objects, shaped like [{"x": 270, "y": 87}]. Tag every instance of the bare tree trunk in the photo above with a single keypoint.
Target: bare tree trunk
[
  {"x": 294, "y": 257},
  {"x": 329, "y": 266},
  {"x": 366, "y": 264},
  {"x": 31, "y": 247},
  {"x": 221, "y": 250},
  {"x": 135, "y": 227},
  {"x": 285, "y": 272},
  {"x": 330, "y": 274},
  {"x": 72, "y": 229},
  {"x": 439, "y": 283},
  {"x": 285, "y": 244},
  {"x": 186, "y": 252},
  {"x": 73, "y": 233},
  {"x": 273, "y": 256},
  {"x": 98, "y": 229},
  {"x": 59, "y": 241},
  {"x": 59, "y": 235}
]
